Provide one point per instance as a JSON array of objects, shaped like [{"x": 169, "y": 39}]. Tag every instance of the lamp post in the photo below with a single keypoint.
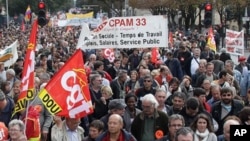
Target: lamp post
[
  {"x": 7, "y": 13},
  {"x": 74, "y": 3}
]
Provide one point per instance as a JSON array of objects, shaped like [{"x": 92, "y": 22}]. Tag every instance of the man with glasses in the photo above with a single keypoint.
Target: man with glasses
[
  {"x": 67, "y": 130},
  {"x": 150, "y": 124},
  {"x": 146, "y": 89},
  {"x": 16, "y": 130},
  {"x": 227, "y": 106},
  {"x": 176, "y": 122}
]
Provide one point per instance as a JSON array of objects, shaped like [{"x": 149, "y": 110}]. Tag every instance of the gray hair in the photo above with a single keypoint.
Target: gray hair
[
  {"x": 11, "y": 72},
  {"x": 176, "y": 117},
  {"x": 150, "y": 98},
  {"x": 230, "y": 62},
  {"x": 183, "y": 131},
  {"x": 17, "y": 122}
]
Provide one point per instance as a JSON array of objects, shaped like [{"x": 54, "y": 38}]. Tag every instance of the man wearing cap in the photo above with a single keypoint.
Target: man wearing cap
[
  {"x": 116, "y": 106},
  {"x": 243, "y": 67},
  {"x": 6, "y": 108}
]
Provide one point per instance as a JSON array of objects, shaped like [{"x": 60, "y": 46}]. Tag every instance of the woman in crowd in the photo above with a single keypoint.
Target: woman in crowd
[
  {"x": 130, "y": 84},
  {"x": 101, "y": 106},
  {"x": 203, "y": 128},
  {"x": 130, "y": 110},
  {"x": 206, "y": 85},
  {"x": 16, "y": 130},
  {"x": 15, "y": 91},
  {"x": 95, "y": 129},
  {"x": 186, "y": 86}
]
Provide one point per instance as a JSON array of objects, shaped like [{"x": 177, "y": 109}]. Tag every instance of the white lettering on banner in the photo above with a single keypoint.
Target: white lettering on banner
[
  {"x": 30, "y": 69},
  {"x": 75, "y": 96},
  {"x": 129, "y": 32}
]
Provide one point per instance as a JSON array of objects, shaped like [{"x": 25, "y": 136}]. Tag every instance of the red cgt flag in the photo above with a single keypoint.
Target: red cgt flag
[{"x": 67, "y": 93}]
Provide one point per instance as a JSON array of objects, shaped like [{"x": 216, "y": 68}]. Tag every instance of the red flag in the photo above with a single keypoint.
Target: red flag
[
  {"x": 67, "y": 93},
  {"x": 22, "y": 26},
  {"x": 170, "y": 39},
  {"x": 28, "y": 76},
  {"x": 155, "y": 54}
]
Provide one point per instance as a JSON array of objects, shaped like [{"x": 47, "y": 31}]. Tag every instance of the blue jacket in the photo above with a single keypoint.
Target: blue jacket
[{"x": 245, "y": 84}]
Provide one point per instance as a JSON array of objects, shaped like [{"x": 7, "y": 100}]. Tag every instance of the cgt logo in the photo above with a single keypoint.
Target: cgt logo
[{"x": 73, "y": 84}]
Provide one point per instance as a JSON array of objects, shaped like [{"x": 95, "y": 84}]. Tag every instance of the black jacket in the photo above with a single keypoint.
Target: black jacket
[
  {"x": 160, "y": 123},
  {"x": 216, "y": 113}
]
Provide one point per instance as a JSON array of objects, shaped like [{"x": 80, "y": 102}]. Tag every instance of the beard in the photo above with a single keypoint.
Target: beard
[{"x": 226, "y": 101}]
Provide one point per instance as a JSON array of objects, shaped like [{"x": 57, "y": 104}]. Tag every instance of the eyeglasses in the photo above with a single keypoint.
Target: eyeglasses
[{"x": 147, "y": 80}]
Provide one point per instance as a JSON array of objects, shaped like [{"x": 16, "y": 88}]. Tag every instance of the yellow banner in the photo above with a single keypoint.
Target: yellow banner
[
  {"x": 79, "y": 16},
  {"x": 49, "y": 102}
]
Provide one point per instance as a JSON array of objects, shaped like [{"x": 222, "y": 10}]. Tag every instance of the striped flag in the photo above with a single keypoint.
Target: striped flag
[
  {"x": 27, "y": 14},
  {"x": 210, "y": 41},
  {"x": 28, "y": 75}
]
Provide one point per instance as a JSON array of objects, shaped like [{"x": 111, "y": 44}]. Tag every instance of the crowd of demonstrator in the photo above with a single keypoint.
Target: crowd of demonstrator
[{"x": 189, "y": 93}]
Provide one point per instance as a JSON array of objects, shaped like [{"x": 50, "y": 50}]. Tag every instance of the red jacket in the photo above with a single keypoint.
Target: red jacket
[{"x": 159, "y": 79}]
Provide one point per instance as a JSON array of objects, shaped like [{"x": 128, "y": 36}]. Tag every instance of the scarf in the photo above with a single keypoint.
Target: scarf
[{"x": 203, "y": 135}]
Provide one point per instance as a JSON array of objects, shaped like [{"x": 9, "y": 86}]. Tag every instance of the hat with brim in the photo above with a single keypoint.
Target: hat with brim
[{"x": 116, "y": 104}]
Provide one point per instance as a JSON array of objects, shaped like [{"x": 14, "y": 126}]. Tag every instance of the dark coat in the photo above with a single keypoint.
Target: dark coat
[
  {"x": 175, "y": 67},
  {"x": 161, "y": 123},
  {"x": 117, "y": 89},
  {"x": 128, "y": 136},
  {"x": 112, "y": 72},
  {"x": 216, "y": 113}
]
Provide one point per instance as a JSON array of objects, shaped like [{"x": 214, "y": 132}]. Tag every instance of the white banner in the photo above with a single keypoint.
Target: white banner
[
  {"x": 234, "y": 42},
  {"x": 9, "y": 54},
  {"x": 129, "y": 32},
  {"x": 77, "y": 22}
]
